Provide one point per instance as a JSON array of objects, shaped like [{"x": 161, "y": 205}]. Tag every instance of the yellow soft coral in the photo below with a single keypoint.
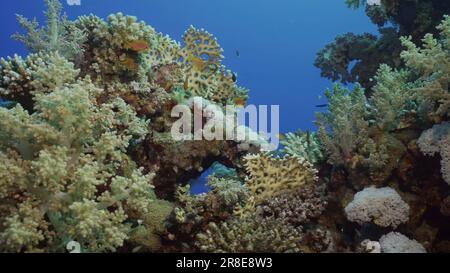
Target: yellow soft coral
[{"x": 269, "y": 176}]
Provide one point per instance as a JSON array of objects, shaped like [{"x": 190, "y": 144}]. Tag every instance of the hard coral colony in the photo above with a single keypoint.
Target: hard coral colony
[{"x": 87, "y": 156}]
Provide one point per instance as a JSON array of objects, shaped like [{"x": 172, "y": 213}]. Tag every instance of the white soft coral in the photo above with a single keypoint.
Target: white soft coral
[
  {"x": 373, "y": 2},
  {"x": 437, "y": 140}
]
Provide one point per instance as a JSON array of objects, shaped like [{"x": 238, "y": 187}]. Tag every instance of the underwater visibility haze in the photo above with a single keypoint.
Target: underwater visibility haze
[{"x": 119, "y": 126}]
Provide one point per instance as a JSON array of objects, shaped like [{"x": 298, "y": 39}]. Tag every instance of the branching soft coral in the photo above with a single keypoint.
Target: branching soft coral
[
  {"x": 355, "y": 58},
  {"x": 345, "y": 129},
  {"x": 392, "y": 100},
  {"x": 349, "y": 135},
  {"x": 432, "y": 64},
  {"x": 21, "y": 78},
  {"x": 437, "y": 140},
  {"x": 116, "y": 48},
  {"x": 67, "y": 173},
  {"x": 302, "y": 145},
  {"x": 60, "y": 35},
  {"x": 251, "y": 234},
  {"x": 366, "y": 51}
]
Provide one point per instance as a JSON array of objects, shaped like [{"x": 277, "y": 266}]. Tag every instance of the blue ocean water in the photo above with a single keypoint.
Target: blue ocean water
[{"x": 277, "y": 40}]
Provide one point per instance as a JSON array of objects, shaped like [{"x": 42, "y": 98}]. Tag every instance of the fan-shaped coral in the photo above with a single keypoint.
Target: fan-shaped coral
[{"x": 268, "y": 176}]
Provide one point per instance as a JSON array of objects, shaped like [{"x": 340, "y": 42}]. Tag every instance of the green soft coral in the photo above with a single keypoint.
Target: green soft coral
[
  {"x": 251, "y": 234},
  {"x": 392, "y": 98},
  {"x": 432, "y": 63},
  {"x": 59, "y": 35},
  {"x": 303, "y": 145},
  {"x": 68, "y": 177},
  {"x": 346, "y": 133}
]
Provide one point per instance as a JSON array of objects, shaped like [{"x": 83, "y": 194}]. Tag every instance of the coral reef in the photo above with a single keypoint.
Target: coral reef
[{"x": 88, "y": 154}]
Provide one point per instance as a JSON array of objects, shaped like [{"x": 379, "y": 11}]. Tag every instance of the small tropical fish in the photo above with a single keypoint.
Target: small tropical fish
[
  {"x": 186, "y": 84},
  {"x": 238, "y": 54},
  {"x": 138, "y": 45},
  {"x": 234, "y": 77},
  {"x": 281, "y": 136},
  {"x": 322, "y": 105},
  {"x": 308, "y": 139},
  {"x": 240, "y": 101}
]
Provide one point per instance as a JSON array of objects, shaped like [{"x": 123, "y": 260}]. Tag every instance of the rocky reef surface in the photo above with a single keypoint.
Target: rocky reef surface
[{"x": 87, "y": 155}]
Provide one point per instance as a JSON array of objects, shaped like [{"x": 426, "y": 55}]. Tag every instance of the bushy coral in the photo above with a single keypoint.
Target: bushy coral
[
  {"x": 395, "y": 242},
  {"x": 195, "y": 212},
  {"x": 366, "y": 51},
  {"x": 117, "y": 47},
  {"x": 392, "y": 99},
  {"x": 21, "y": 78},
  {"x": 303, "y": 145},
  {"x": 355, "y": 58},
  {"x": 345, "y": 131},
  {"x": 432, "y": 63},
  {"x": 383, "y": 207},
  {"x": 437, "y": 140},
  {"x": 298, "y": 207},
  {"x": 59, "y": 35},
  {"x": 66, "y": 175},
  {"x": 251, "y": 234}
]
